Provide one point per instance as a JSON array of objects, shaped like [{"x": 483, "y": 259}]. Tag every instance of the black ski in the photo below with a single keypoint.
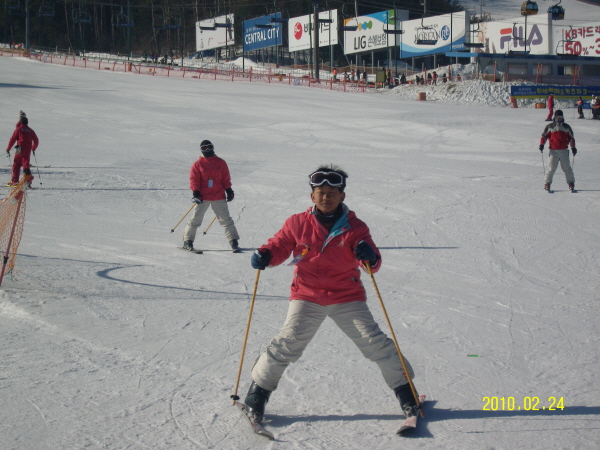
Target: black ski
[
  {"x": 410, "y": 424},
  {"x": 237, "y": 250},
  {"x": 197, "y": 252},
  {"x": 256, "y": 427}
]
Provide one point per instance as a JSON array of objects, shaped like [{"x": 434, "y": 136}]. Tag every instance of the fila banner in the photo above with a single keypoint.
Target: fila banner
[
  {"x": 300, "y": 31},
  {"x": 517, "y": 34}
]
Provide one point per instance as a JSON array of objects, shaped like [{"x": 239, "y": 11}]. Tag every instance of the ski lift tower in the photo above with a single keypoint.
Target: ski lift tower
[{"x": 316, "y": 41}]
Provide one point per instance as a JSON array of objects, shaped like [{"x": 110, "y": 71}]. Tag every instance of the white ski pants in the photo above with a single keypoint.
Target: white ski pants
[
  {"x": 561, "y": 156},
  {"x": 303, "y": 321},
  {"x": 221, "y": 211}
]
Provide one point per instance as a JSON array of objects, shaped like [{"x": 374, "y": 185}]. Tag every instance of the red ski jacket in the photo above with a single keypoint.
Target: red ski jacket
[
  {"x": 25, "y": 138},
  {"x": 328, "y": 272},
  {"x": 211, "y": 177},
  {"x": 559, "y": 135}
]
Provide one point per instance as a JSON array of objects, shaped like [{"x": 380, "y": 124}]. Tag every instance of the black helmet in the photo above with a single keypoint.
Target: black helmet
[{"x": 207, "y": 148}]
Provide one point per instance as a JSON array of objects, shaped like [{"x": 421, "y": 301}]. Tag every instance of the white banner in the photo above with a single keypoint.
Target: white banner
[
  {"x": 369, "y": 34},
  {"x": 436, "y": 34},
  {"x": 513, "y": 35},
  {"x": 219, "y": 37},
  {"x": 300, "y": 31},
  {"x": 581, "y": 39}
]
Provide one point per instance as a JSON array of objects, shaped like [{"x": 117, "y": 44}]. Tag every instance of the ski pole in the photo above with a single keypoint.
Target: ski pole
[
  {"x": 38, "y": 168},
  {"x": 237, "y": 382},
  {"x": 543, "y": 163},
  {"x": 213, "y": 221},
  {"x": 387, "y": 319},
  {"x": 173, "y": 229}
]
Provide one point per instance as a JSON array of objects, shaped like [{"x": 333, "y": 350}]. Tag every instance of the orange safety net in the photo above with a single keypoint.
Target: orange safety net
[{"x": 12, "y": 219}]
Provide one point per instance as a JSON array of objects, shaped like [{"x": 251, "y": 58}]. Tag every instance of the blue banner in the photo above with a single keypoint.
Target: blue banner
[
  {"x": 266, "y": 34},
  {"x": 557, "y": 91}
]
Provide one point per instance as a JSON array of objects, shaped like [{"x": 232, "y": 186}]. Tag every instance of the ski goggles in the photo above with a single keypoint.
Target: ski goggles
[
  {"x": 333, "y": 179},
  {"x": 206, "y": 148}
]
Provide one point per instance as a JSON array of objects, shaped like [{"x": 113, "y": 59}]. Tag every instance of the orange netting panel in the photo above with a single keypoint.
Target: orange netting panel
[{"x": 12, "y": 218}]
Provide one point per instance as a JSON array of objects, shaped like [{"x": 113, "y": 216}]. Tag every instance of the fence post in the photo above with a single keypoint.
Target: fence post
[
  {"x": 250, "y": 74},
  {"x": 232, "y": 72}
]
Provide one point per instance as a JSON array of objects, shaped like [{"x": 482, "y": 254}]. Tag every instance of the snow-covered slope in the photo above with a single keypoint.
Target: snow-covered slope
[{"x": 112, "y": 338}]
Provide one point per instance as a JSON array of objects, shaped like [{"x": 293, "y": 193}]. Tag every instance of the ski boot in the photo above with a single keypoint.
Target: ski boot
[
  {"x": 547, "y": 187},
  {"x": 407, "y": 400},
  {"x": 234, "y": 245},
  {"x": 571, "y": 187},
  {"x": 255, "y": 402},
  {"x": 188, "y": 245}
]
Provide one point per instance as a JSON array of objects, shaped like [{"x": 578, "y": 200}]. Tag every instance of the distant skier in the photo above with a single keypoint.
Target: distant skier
[
  {"x": 580, "y": 108},
  {"x": 560, "y": 135},
  {"x": 210, "y": 183},
  {"x": 550, "y": 108},
  {"x": 27, "y": 142},
  {"x": 328, "y": 243}
]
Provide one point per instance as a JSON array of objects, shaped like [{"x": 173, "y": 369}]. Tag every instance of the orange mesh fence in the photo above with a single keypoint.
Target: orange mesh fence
[{"x": 12, "y": 218}]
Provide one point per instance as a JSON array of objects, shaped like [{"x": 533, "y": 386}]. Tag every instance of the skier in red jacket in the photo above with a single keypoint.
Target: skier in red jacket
[
  {"x": 27, "y": 142},
  {"x": 560, "y": 135},
  {"x": 329, "y": 244},
  {"x": 210, "y": 183},
  {"x": 550, "y": 108}
]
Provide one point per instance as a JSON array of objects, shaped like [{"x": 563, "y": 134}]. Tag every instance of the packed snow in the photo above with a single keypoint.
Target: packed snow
[{"x": 112, "y": 338}]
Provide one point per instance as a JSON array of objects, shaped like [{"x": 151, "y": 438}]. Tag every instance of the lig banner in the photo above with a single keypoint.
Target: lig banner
[
  {"x": 436, "y": 34},
  {"x": 216, "y": 38},
  {"x": 300, "y": 31},
  {"x": 513, "y": 35},
  {"x": 369, "y": 34},
  {"x": 266, "y": 34}
]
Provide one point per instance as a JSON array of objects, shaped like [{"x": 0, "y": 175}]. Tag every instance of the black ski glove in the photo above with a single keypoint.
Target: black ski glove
[
  {"x": 574, "y": 150},
  {"x": 364, "y": 252},
  {"x": 229, "y": 194},
  {"x": 541, "y": 147},
  {"x": 260, "y": 260},
  {"x": 196, "y": 197}
]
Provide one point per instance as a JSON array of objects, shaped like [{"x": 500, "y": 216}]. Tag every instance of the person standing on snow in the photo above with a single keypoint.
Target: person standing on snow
[
  {"x": 550, "y": 108},
  {"x": 27, "y": 142},
  {"x": 210, "y": 183},
  {"x": 580, "y": 108},
  {"x": 328, "y": 243},
  {"x": 560, "y": 135}
]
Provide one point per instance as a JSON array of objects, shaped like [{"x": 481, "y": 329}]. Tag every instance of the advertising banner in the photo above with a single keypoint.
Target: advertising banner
[
  {"x": 300, "y": 31},
  {"x": 266, "y": 34},
  {"x": 533, "y": 91},
  {"x": 583, "y": 40},
  {"x": 369, "y": 34},
  {"x": 436, "y": 34},
  {"x": 217, "y": 37},
  {"x": 513, "y": 35}
]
